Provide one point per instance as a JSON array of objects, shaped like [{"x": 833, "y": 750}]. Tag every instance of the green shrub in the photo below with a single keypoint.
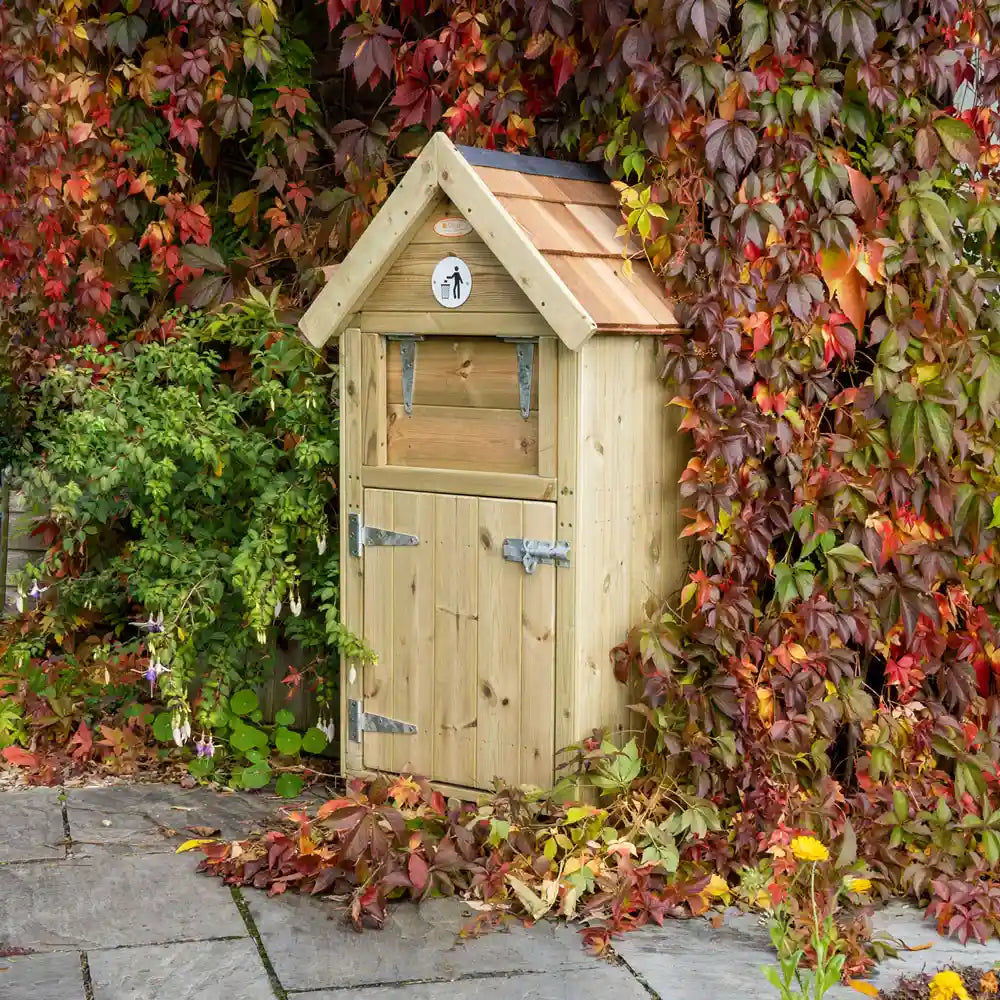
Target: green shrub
[{"x": 191, "y": 485}]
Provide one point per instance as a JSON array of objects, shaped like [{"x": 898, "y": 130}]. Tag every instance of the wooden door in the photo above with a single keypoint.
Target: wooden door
[{"x": 465, "y": 639}]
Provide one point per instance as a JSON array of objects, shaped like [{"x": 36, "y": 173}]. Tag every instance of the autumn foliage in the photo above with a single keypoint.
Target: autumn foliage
[{"x": 817, "y": 184}]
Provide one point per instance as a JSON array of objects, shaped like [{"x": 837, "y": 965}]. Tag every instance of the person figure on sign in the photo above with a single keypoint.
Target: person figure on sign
[{"x": 456, "y": 280}]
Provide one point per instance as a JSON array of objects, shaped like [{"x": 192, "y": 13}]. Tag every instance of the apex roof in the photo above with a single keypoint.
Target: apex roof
[{"x": 551, "y": 224}]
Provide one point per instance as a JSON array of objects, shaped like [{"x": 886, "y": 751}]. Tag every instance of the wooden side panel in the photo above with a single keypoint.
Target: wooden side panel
[
  {"x": 629, "y": 553},
  {"x": 460, "y": 372},
  {"x": 352, "y": 580},
  {"x": 567, "y": 730},
  {"x": 449, "y": 437},
  {"x": 379, "y": 631},
  {"x": 373, "y": 398},
  {"x": 500, "y": 682},
  {"x": 456, "y": 637},
  {"x": 538, "y": 645}
]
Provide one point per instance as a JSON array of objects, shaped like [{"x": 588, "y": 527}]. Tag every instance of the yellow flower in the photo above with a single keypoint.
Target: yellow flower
[
  {"x": 948, "y": 985},
  {"x": 859, "y": 884},
  {"x": 809, "y": 849}
]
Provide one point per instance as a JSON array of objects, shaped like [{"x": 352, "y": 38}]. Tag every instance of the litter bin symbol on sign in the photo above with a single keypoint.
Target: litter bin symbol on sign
[{"x": 451, "y": 282}]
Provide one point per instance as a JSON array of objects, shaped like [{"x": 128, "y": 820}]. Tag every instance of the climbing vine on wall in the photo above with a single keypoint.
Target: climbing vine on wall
[{"x": 815, "y": 182}]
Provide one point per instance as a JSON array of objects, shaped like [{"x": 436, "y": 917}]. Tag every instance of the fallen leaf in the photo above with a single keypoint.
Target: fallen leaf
[
  {"x": 204, "y": 831},
  {"x": 19, "y": 757},
  {"x": 190, "y": 845},
  {"x": 862, "y": 987}
]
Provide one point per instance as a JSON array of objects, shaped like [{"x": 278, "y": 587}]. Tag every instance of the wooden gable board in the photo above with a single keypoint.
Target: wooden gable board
[{"x": 440, "y": 167}]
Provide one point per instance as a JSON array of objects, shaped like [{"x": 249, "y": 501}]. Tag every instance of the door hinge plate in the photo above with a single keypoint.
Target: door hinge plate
[
  {"x": 359, "y": 535},
  {"x": 525, "y": 369},
  {"x": 408, "y": 365},
  {"x": 359, "y": 721},
  {"x": 529, "y": 552}
]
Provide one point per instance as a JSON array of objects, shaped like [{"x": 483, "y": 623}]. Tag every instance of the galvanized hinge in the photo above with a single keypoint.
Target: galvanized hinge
[
  {"x": 525, "y": 369},
  {"x": 408, "y": 363},
  {"x": 359, "y": 721},
  {"x": 529, "y": 552},
  {"x": 359, "y": 535}
]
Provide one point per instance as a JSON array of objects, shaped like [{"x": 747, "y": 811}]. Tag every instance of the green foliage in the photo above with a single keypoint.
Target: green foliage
[{"x": 190, "y": 484}]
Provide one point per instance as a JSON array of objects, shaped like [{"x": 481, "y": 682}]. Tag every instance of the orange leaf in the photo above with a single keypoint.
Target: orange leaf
[
  {"x": 845, "y": 282},
  {"x": 862, "y": 987},
  {"x": 863, "y": 193},
  {"x": 328, "y": 808}
]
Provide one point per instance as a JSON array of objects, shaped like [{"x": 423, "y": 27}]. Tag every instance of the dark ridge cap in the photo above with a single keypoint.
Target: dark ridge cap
[{"x": 538, "y": 166}]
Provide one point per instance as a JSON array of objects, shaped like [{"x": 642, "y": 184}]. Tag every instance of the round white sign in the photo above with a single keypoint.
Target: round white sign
[{"x": 451, "y": 282}]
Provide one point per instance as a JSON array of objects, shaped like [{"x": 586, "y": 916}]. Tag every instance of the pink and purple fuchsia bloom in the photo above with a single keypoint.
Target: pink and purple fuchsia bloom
[
  {"x": 205, "y": 747},
  {"x": 152, "y": 673}
]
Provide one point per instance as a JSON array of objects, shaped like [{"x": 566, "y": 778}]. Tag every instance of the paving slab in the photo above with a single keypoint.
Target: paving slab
[
  {"x": 42, "y": 977},
  {"x": 126, "y": 819},
  {"x": 32, "y": 825},
  {"x": 691, "y": 959},
  {"x": 113, "y": 901},
  {"x": 311, "y": 947},
  {"x": 199, "y": 970},
  {"x": 604, "y": 982}
]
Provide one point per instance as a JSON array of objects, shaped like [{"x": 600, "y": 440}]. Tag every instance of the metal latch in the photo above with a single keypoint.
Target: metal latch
[
  {"x": 525, "y": 367},
  {"x": 529, "y": 552},
  {"x": 359, "y": 721},
  {"x": 359, "y": 535},
  {"x": 408, "y": 362}
]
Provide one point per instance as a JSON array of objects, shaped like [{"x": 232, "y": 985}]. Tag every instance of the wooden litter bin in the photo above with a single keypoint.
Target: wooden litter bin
[{"x": 508, "y": 466}]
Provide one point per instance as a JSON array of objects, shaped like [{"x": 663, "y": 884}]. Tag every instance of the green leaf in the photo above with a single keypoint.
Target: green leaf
[
  {"x": 755, "y": 27},
  {"x": 126, "y": 31},
  {"x": 205, "y": 257},
  {"x": 288, "y": 785},
  {"x": 959, "y": 139},
  {"x": 163, "y": 727},
  {"x": 201, "y": 767},
  {"x": 784, "y": 584},
  {"x": 286, "y": 742},
  {"x": 936, "y": 217},
  {"x": 989, "y": 386},
  {"x": 314, "y": 741},
  {"x": 245, "y": 737},
  {"x": 283, "y": 717},
  {"x": 940, "y": 425},
  {"x": 900, "y": 806},
  {"x": 256, "y": 776},
  {"x": 243, "y": 702},
  {"x": 902, "y": 416}
]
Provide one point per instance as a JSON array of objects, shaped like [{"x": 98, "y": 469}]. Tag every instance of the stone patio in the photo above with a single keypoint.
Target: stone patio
[{"x": 92, "y": 891}]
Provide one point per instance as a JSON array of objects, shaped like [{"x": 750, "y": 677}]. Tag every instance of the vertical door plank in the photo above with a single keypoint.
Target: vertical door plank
[
  {"x": 538, "y": 653},
  {"x": 412, "y": 596},
  {"x": 456, "y": 629},
  {"x": 499, "y": 698},
  {"x": 352, "y": 580},
  {"x": 379, "y": 630}
]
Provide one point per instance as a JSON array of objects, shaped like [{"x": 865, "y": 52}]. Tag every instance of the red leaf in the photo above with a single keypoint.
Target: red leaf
[
  {"x": 82, "y": 742},
  {"x": 417, "y": 868},
  {"x": 19, "y": 757}
]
